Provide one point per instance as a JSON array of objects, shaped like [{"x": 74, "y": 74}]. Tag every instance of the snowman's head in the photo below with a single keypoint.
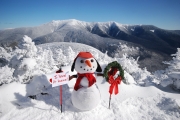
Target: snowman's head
[{"x": 85, "y": 63}]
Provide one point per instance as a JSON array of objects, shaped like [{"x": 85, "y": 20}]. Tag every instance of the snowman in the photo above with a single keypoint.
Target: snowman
[{"x": 85, "y": 95}]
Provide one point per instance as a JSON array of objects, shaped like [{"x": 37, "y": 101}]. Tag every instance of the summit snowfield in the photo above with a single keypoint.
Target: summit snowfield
[{"x": 25, "y": 91}]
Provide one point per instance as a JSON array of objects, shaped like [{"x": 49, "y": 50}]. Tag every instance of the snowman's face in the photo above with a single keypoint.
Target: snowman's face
[{"x": 83, "y": 65}]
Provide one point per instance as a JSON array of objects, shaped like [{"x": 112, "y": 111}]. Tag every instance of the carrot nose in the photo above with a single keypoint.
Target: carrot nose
[{"x": 88, "y": 63}]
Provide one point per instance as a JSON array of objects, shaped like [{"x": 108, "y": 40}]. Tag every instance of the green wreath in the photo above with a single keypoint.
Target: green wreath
[{"x": 111, "y": 65}]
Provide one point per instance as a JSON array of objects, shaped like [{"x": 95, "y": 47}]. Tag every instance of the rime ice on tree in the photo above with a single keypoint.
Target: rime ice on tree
[
  {"x": 24, "y": 60},
  {"x": 174, "y": 69}
]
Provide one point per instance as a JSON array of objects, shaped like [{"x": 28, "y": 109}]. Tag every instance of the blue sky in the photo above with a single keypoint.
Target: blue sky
[{"x": 24, "y": 13}]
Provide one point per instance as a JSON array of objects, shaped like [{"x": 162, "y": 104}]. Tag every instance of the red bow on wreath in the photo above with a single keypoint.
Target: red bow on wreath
[{"x": 114, "y": 82}]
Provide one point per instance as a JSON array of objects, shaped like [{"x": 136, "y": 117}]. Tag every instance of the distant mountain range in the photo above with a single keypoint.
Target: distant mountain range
[{"x": 155, "y": 44}]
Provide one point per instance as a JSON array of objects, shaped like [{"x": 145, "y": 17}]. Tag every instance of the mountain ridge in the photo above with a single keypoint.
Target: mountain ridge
[{"x": 104, "y": 36}]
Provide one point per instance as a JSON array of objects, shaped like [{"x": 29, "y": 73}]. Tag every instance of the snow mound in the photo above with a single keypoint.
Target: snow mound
[
  {"x": 157, "y": 107},
  {"x": 77, "y": 47},
  {"x": 72, "y": 49},
  {"x": 38, "y": 85}
]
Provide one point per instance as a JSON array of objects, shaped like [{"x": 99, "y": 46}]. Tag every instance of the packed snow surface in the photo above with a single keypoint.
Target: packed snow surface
[{"x": 132, "y": 103}]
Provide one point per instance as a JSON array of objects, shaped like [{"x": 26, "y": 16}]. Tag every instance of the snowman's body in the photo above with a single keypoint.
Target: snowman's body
[{"x": 85, "y": 97}]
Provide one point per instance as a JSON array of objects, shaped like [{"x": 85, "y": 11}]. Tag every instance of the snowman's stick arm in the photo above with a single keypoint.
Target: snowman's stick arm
[
  {"x": 75, "y": 76},
  {"x": 99, "y": 74},
  {"x": 71, "y": 77}
]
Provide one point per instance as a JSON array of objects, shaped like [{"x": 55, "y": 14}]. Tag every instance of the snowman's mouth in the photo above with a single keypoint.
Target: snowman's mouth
[{"x": 87, "y": 69}]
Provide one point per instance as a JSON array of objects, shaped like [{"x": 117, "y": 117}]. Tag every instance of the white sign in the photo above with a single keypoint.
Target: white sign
[{"x": 60, "y": 79}]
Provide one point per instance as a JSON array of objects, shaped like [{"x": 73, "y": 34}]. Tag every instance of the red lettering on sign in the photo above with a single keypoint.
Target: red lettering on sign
[
  {"x": 55, "y": 77},
  {"x": 62, "y": 80},
  {"x": 60, "y": 76}
]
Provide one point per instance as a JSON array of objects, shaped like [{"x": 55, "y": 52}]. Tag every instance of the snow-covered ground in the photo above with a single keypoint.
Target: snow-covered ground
[{"x": 133, "y": 102}]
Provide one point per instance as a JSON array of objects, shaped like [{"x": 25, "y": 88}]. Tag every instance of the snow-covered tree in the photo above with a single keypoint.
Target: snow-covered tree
[
  {"x": 159, "y": 76},
  {"x": 174, "y": 64},
  {"x": 173, "y": 71},
  {"x": 6, "y": 75},
  {"x": 50, "y": 60},
  {"x": 124, "y": 49},
  {"x": 129, "y": 64},
  {"x": 59, "y": 57},
  {"x": 45, "y": 60},
  {"x": 104, "y": 58},
  {"x": 4, "y": 53},
  {"x": 4, "y": 57},
  {"x": 27, "y": 47},
  {"x": 23, "y": 60},
  {"x": 70, "y": 55}
]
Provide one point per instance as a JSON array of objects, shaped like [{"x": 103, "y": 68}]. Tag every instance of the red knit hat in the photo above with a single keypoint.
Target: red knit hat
[{"x": 85, "y": 55}]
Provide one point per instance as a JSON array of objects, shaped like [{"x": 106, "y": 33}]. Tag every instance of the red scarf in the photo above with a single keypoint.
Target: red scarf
[{"x": 90, "y": 78}]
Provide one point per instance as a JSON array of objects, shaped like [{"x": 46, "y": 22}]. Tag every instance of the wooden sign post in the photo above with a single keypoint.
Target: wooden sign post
[{"x": 59, "y": 79}]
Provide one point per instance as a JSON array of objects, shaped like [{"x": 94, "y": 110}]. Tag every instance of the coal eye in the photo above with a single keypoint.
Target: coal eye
[
  {"x": 82, "y": 61},
  {"x": 92, "y": 60}
]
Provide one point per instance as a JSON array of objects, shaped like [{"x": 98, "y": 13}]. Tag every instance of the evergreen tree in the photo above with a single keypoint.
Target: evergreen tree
[
  {"x": 174, "y": 64},
  {"x": 70, "y": 55},
  {"x": 173, "y": 70},
  {"x": 60, "y": 58},
  {"x": 129, "y": 64},
  {"x": 23, "y": 60},
  {"x": 28, "y": 47}
]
